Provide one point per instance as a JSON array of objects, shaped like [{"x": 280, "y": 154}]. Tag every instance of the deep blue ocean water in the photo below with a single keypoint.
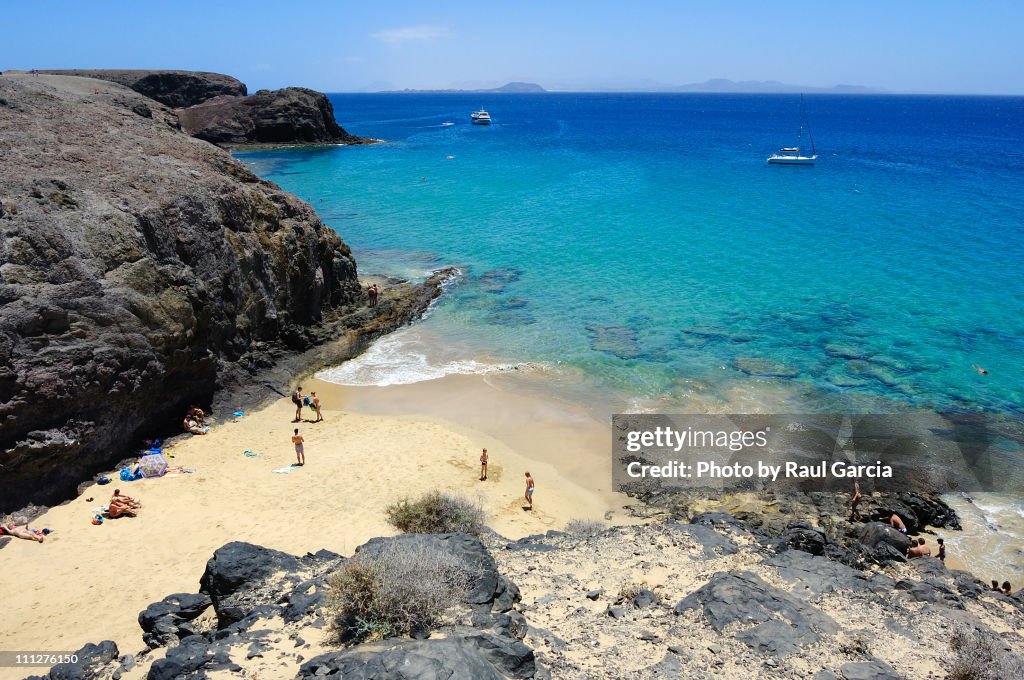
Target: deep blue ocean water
[{"x": 641, "y": 242}]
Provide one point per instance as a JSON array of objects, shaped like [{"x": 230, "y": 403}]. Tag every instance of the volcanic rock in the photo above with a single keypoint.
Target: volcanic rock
[{"x": 176, "y": 89}]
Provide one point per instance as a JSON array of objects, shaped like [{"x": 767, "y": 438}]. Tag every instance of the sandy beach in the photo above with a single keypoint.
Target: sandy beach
[{"x": 87, "y": 583}]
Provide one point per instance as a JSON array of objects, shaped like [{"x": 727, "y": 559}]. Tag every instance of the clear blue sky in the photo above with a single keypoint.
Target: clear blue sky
[{"x": 899, "y": 45}]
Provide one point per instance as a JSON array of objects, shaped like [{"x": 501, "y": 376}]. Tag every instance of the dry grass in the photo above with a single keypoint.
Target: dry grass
[
  {"x": 407, "y": 587},
  {"x": 982, "y": 656},
  {"x": 584, "y": 527}
]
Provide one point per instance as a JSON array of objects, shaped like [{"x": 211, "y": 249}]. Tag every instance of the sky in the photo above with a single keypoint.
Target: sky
[{"x": 946, "y": 46}]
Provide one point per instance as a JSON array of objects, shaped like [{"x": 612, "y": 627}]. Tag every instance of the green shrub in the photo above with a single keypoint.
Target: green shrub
[
  {"x": 437, "y": 513},
  {"x": 407, "y": 586}
]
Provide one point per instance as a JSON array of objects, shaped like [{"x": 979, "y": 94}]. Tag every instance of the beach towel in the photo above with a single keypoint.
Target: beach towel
[
  {"x": 286, "y": 470},
  {"x": 238, "y": 414},
  {"x": 252, "y": 454}
]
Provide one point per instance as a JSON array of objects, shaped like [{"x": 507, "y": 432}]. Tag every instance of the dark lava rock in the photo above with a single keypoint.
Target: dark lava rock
[
  {"x": 95, "y": 661},
  {"x": 813, "y": 575},
  {"x": 195, "y": 653},
  {"x": 175, "y": 89},
  {"x": 876, "y": 669},
  {"x": 783, "y": 624},
  {"x": 235, "y": 571},
  {"x": 616, "y": 612},
  {"x": 476, "y": 656},
  {"x": 492, "y": 589},
  {"x": 139, "y": 269},
  {"x": 594, "y": 594},
  {"x": 715, "y": 543},
  {"x": 800, "y": 535},
  {"x": 163, "y": 621},
  {"x": 874, "y": 533},
  {"x": 293, "y": 115},
  {"x": 645, "y": 598}
]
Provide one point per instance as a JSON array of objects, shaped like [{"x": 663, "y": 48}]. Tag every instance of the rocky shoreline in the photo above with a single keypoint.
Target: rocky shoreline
[
  {"x": 143, "y": 270},
  {"x": 704, "y": 599}
]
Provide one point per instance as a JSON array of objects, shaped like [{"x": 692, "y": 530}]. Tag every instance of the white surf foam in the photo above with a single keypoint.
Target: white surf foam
[{"x": 404, "y": 358}]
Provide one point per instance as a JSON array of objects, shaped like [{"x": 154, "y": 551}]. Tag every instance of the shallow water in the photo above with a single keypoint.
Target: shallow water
[{"x": 636, "y": 253}]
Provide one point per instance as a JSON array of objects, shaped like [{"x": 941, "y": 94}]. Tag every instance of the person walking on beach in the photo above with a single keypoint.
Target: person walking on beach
[
  {"x": 297, "y": 400},
  {"x": 483, "y": 465},
  {"x": 300, "y": 453},
  {"x": 529, "y": 491},
  {"x": 316, "y": 407},
  {"x": 371, "y": 294}
]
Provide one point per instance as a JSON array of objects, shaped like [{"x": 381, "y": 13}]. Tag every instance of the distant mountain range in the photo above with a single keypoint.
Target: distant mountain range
[
  {"x": 715, "y": 85},
  {"x": 508, "y": 88},
  {"x": 769, "y": 86}
]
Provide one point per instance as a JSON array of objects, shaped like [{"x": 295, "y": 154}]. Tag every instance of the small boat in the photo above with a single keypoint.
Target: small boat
[
  {"x": 480, "y": 117},
  {"x": 791, "y": 155},
  {"x": 447, "y": 123}
]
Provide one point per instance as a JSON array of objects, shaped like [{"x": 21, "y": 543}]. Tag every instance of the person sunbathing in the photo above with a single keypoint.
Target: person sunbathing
[
  {"x": 191, "y": 425},
  {"x": 118, "y": 506},
  {"x": 127, "y": 500},
  {"x": 20, "y": 532}
]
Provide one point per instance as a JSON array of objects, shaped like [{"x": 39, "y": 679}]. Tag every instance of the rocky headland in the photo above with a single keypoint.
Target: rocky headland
[
  {"x": 143, "y": 270},
  {"x": 293, "y": 115}
]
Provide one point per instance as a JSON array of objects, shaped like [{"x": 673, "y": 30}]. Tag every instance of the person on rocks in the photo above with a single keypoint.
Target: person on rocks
[
  {"x": 919, "y": 549},
  {"x": 855, "y": 501},
  {"x": 315, "y": 403},
  {"x": 197, "y": 414},
  {"x": 1007, "y": 589},
  {"x": 371, "y": 295},
  {"x": 297, "y": 400},
  {"x": 529, "y": 491},
  {"x": 896, "y": 523},
  {"x": 483, "y": 465},
  {"x": 942, "y": 550},
  {"x": 300, "y": 452},
  {"x": 192, "y": 426},
  {"x": 995, "y": 586}
]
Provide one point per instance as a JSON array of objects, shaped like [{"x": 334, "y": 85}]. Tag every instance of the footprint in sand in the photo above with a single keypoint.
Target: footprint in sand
[{"x": 460, "y": 464}]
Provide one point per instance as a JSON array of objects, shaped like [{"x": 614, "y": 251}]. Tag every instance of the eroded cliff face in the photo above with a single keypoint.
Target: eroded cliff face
[
  {"x": 134, "y": 260},
  {"x": 293, "y": 115}
]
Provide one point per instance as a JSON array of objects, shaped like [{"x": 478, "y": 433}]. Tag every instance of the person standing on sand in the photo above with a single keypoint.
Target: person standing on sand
[
  {"x": 483, "y": 465},
  {"x": 300, "y": 453},
  {"x": 942, "y": 550},
  {"x": 297, "y": 400},
  {"x": 529, "y": 491},
  {"x": 316, "y": 407}
]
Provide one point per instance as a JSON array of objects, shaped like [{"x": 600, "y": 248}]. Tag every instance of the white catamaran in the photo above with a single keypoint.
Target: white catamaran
[{"x": 790, "y": 155}]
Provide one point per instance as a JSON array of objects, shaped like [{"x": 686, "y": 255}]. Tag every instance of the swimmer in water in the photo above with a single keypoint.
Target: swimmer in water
[{"x": 979, "y": 369}]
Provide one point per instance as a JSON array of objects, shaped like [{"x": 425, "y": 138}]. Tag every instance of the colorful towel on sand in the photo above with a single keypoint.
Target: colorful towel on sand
[{"x": 252, "y": 454}]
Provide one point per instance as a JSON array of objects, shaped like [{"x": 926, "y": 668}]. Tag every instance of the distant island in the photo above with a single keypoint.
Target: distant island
[
  {"x": 507, "y": 88},
  {"x": 770, "y": 86}
]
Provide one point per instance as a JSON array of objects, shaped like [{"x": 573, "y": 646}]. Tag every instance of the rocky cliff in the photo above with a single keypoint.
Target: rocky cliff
[
  {"x": 138, "y": 268},
  {"x": 294, "y": 115},
  {"x": 176, "y": 89}
]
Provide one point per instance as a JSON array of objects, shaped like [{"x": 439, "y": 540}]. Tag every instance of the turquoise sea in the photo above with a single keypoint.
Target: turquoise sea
[{"x": 639, "y": 247}]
